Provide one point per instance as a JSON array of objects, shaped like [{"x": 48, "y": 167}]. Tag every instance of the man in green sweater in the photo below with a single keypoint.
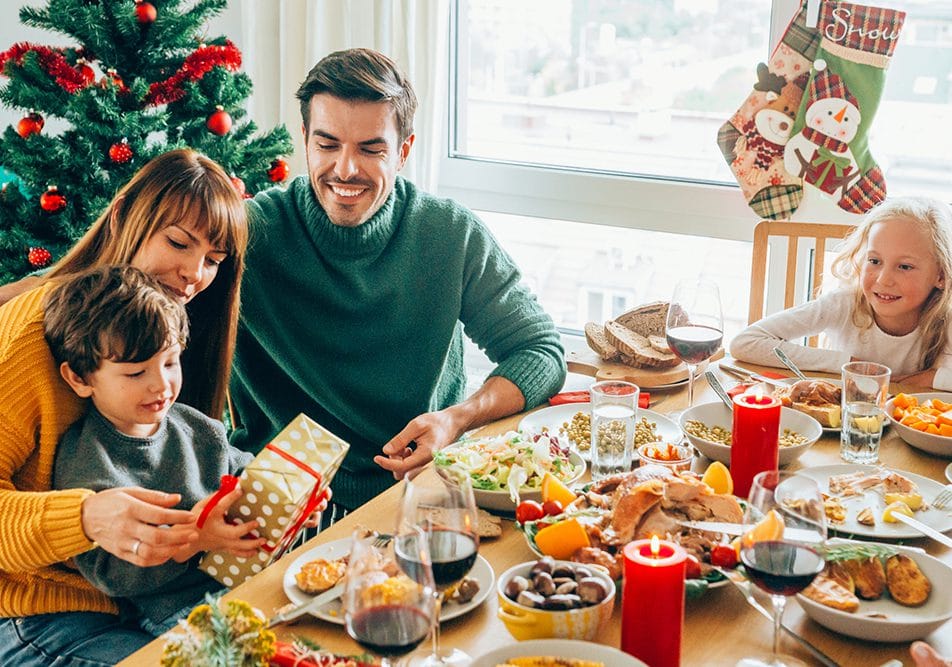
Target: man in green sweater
[{"x": 359, "y": 288}]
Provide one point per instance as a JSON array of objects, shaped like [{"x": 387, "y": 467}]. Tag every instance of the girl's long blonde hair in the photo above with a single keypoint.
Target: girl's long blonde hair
[
  {"x": 180, "y": 187},
  {"x": 934, "y": 218}
]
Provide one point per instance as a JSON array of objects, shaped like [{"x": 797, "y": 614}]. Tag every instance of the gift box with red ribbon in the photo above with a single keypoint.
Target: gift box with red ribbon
[{"x": 281, "y": 487}]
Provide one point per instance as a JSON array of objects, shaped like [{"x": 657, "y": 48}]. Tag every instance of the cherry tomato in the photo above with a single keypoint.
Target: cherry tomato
[
  {"x": 529, "y": 510},
  {"x": 723, "y": 555},
  {"x": 552, "y": 507},
  {"x": 692, "y": 569}
]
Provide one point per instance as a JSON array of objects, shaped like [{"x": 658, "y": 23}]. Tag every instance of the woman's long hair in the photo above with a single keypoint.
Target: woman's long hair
[
  {"x": 935, "y": 219},
  {"x": 186, "y": 188}
]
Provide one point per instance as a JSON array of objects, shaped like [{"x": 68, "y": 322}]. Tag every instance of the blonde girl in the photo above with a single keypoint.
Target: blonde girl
[{"x": 892, "y": 307}]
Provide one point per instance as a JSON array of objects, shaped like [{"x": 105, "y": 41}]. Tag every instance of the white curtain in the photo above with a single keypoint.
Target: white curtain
[{"x": 283, "y": 39}]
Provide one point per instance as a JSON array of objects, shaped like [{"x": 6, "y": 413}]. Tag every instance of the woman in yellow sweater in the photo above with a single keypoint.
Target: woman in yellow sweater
[{"x": 181, "y": 220}]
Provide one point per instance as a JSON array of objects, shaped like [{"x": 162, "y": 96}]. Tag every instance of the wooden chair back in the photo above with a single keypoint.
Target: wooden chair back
[{"x": 793, "y": 231}]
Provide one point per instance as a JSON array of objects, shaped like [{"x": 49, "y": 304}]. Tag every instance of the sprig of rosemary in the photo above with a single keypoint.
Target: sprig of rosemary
[{"x": 834, "y": 553}]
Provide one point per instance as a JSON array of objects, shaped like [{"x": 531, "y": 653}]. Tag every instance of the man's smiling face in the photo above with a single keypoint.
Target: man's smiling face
[{"x": 353, "y": 155}]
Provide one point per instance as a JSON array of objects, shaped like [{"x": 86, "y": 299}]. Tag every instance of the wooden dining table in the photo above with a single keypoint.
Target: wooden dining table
[{"x": 719, "y": 627}]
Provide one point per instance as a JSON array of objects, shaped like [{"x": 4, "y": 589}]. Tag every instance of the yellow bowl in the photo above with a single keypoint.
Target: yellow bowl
[{"x": 532, "y": 623}]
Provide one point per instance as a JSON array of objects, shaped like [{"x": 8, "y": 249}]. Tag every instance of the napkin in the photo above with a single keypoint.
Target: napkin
[{"x": 583, "y": 397}]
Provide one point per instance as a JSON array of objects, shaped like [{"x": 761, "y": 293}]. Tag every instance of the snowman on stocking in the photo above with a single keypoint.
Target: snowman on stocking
[{"x": 829, "y": 149}]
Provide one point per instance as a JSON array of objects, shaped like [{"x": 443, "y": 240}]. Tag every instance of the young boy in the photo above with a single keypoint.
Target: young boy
[{"x": 118, "y": 335}]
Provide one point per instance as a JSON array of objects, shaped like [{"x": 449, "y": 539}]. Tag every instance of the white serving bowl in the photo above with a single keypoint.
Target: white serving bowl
[
  {"x": 940, "y": 445},
  {"x": 902, "y": 624},
  {"x": 499, "y": 501},
  {"x": 717, "y": 414}
]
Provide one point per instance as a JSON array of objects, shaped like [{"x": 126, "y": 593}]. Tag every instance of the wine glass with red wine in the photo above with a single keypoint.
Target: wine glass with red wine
[
  {"x": 445, "y": 511},
  {"x": 785, "y": 566},
  {"x": 389, "y": 603},
  {"x": 694, "y": 327}
]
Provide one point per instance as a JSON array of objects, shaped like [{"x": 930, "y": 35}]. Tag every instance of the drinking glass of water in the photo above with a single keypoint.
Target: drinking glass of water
[
  {"x": 614, "y": 415},
  {"x": 865, "y": 388},
  {"x": 695, "y": 325}
]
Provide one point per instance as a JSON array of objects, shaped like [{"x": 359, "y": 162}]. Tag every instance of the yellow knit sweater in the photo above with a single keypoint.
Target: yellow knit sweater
[{"x": 39, "y": 528}]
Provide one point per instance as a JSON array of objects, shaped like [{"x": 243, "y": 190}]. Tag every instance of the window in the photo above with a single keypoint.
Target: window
[{"x": 584, "y": 132}]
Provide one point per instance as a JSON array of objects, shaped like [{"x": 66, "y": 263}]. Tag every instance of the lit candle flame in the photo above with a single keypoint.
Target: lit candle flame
[
  {"x": 655, "y": 546},
  {"x": 758, "y": 395}
]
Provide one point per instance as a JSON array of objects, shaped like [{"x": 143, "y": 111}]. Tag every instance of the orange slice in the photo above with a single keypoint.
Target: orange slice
[
  {"x": 554, "y": 489},
  {"x": 718, "y": 477},
  {"x": 769, "y": 528}
]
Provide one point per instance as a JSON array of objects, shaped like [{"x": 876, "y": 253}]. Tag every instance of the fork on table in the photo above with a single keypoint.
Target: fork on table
[{"x": 944, "y": 499}]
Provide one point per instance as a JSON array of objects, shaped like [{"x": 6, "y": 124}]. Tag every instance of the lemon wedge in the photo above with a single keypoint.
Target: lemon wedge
[
  {"x": 897, "y": 507},
  {"x": 912, "y": 500},
  {"x": 870, "y": 424},
  {"x": 718, "y": 477}
]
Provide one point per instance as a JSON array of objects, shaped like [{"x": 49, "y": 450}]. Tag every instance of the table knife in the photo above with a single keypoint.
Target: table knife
[
  {"x": 924, "y": 529},
  {"x": 312, "y": 605},
  {"x": 747, "y": 375},
  {"x": 727, "y": 528}
]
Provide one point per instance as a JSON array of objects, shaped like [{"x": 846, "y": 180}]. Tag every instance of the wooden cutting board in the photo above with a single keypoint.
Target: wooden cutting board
[{"x": 587, "y": 362}]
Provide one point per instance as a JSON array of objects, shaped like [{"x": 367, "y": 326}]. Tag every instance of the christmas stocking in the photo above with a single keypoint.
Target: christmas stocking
[
  {"x": 829, "y": 148},
  {"x": 753, "y": 140}
]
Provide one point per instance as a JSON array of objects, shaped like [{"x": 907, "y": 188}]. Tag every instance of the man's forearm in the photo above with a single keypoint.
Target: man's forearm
[{"x": 497, "y": 398}]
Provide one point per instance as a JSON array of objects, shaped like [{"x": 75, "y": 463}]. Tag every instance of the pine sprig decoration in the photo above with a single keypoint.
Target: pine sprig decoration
[
  {"x": 834, "y": 553},
  {"x": 154, "y": 85}
]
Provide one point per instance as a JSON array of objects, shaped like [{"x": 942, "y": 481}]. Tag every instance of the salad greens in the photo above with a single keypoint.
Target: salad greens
[{"x": 490, "y": 461}]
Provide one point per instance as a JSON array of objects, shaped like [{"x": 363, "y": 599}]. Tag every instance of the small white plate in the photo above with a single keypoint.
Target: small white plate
[
  {"x": 929, "y": 488},
  {"x": 333, "y": 613},
  {"x": 902, "y": 624},
  {"x": 562, "y": 648},
  {"x": 552, "y": 419}
]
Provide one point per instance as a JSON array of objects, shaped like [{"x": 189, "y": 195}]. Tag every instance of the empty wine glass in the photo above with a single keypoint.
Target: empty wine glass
[
  {"x": 446, "y": 512},
  {"x": 389, "y": 602},
  {"x": 785, "y": 566},
  {"x": 694, "y": 327}
]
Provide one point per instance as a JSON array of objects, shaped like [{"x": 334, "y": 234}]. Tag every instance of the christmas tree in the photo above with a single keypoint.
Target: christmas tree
[{"x": 161, "y": 84}]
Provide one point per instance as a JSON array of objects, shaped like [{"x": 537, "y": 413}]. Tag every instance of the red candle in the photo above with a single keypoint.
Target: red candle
[
  {"x": 754, "y": 438},
  {"x": 652, "y": 602}
]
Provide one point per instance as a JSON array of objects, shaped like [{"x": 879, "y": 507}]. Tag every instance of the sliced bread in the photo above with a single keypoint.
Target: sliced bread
[
  {"x": 660, "y": 343},
  {"x": 595, "y": 337},
  {"x": 649, "y": 319},
  {"x": 637, "y": 347}
]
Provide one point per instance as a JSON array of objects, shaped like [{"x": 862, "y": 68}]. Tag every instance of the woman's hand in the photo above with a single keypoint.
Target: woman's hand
[
  {"x": 314, "y": 520},
  {"x": 138, "y": 525},
  {"x": 921, "y": 379},
  {"x": 924, "y": 655},
  {"x": 216, "y": 534}
]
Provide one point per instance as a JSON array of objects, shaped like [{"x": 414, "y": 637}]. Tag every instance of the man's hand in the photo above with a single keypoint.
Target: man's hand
[
  {"x": 497, "y": 398},
  {"x": 137, "y": 524},
  {"x": 431, "y": 432}
]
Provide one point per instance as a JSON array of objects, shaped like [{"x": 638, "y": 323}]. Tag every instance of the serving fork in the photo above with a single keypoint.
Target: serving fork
[{"x": 331, "y": 594}]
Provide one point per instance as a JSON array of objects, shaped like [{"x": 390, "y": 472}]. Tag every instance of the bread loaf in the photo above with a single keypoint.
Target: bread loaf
[
  {"x": 637, "y": 347},
  {"x": 650, "y": 319},
  {"x": 595, "y": 337}
]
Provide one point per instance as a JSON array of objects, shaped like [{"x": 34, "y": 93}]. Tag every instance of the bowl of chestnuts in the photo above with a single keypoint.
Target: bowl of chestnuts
[{"x": 555, "y": 598}]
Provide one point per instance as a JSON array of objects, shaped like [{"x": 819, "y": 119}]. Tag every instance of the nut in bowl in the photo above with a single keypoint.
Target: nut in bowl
[
  {"x": 676, "y": 457},
  {"x": 708, "y": 427},
  {"x": 913, "y": 414},
  {"x": 531, "y": 607},
  {"x": 514, "y": 459}
]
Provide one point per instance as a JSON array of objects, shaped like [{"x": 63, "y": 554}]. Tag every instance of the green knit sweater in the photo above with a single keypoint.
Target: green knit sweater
[{"x": 361, "y": 327}]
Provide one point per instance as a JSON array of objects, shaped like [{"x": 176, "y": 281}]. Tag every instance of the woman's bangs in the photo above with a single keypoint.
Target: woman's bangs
[{"x": 223, "y": 222}]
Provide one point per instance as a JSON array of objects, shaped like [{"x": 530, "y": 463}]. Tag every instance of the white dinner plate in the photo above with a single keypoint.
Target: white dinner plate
[
  {"x": 332, "y": 613},
  {"x": 552, "y": 419},
  {"x": 938, "y": 519},
  {"x": 892, "y": 621},
  {"x": 559, "y": 648}
]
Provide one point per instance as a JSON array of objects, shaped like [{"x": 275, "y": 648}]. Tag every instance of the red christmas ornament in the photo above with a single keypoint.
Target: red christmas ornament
[
  {"x": 219, "y": 122},
  {"x": 279, "y": 171},
  {"x": 52, "y": 201},
  {"x": 239, "y": 185},
  {"x": 85, "y": 71},
  {"x": 120, "y": 153},
  {"x": 39, "y": 257},
  {"x": 32, "y": 123},
  {"x": 145, "y": 12}
]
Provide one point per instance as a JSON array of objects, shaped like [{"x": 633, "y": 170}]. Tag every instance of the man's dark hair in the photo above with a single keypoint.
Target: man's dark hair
[
  {"x": 117, "y": 313},
  {"x": 360, "y": 74}
]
